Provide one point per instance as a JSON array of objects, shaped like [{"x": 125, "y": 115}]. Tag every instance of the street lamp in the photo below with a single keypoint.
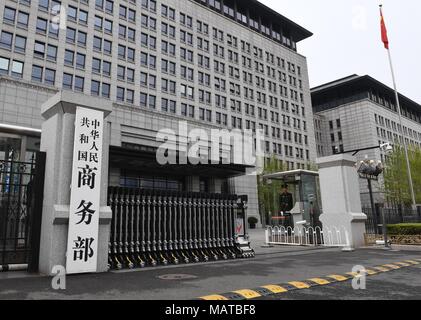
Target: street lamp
[{"x": 369, "y": 170}]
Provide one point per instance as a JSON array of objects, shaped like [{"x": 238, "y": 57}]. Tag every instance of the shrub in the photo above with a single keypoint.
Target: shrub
[
  {"x": 252, "y": 220},
  {"x": 407, "y": 229}
]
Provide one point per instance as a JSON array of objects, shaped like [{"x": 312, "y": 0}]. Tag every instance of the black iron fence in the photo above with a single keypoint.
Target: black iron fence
[
  {"x": 151, "y": 227},
  {"x": 21, "y": 196},
  {"x": 392, "y": 215}
]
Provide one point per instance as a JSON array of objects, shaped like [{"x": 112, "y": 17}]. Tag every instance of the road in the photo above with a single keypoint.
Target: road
[
  {"x": 214, "y": 278},
  {"x": 403, "y": 284}
]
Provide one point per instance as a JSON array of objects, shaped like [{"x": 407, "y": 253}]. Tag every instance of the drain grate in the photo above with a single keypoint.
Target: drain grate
[{"x": 176, "y": 277}]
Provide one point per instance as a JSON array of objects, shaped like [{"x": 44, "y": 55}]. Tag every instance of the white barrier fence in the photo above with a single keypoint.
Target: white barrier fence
[{"x": 302, "y": 236}]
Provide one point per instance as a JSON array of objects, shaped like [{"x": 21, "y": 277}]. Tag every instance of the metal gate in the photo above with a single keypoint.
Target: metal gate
[
  {"x": 152, "y": 227},
  {"x": 21, "y": 196}
]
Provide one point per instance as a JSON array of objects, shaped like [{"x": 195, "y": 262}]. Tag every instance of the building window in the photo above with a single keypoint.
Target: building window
[
  {"x": 69, "y": 57},
  {"x": 36, "y": 73},
  {"x": 80, "y": 61},
  {"x": 331, "y": 125},
  {"x": 52, "y": 52},
  {"x": 120, "y": 94},
  {"x": 39, "y": 49},
  {"x": 4, "y": 65},
  {"x": 143, "y": 99},
  {"x": 71, "y": 35},
  {"x": 20, "y": 44},
  {"x": 17, "y": 69},
  {"x": 50, "y": 76},
  {"x": 67, "y": 81},
  {"x": 41, "y": 25},
  {"x": 6, "y": 39},
  {"x": 130, "y": 96},
  {"x": 106, "y": 68},
  {"x": 44, "y": 4},
  {"x": 9, "y": 15},
  {"x": 95, "y": 88},
  {"x": 79, "y": 83},
  {"x": 81, "y": 38},
  {"x": 23, "y": 19},
  {"x": 105, "y": 90}
]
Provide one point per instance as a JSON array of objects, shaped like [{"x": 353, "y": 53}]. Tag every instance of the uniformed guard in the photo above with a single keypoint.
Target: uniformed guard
[{"x": 286, "y": 204}]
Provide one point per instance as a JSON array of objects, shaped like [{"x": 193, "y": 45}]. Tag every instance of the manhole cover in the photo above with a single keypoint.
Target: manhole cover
[{"x": 177, "y": 277}]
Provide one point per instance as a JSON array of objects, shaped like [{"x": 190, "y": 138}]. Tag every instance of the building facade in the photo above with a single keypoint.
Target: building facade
[
  {"x": 360, "y": 112},
  {"x": 215, "y": 64}
]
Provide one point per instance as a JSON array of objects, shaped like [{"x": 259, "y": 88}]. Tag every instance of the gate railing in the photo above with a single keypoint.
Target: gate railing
[
  {"x": 307, "y": 236},
  {"x": 21, "y": 196},
  {"x": 392, "y": 215},
  {"x": 163, "y": 227}
]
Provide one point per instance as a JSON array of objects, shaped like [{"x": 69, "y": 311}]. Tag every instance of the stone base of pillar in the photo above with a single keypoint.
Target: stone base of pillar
[{"x": 341, "y": 199}]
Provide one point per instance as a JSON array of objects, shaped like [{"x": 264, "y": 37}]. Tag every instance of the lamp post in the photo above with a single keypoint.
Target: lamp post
[{"x": 368, "y": 171}]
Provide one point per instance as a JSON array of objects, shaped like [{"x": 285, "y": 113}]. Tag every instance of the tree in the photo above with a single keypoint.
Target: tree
[
  {"x": 396, "y": 184},
  {"x": 268, "y": 192}
]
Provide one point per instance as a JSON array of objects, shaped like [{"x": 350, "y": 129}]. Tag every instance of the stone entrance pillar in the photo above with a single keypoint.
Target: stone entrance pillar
[
  {"x": 57, "y": 141},
  {"x": 341, "y": 199}
]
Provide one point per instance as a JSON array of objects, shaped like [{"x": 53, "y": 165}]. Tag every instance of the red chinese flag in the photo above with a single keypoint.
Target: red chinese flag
[{"x": 385, "y": 39}]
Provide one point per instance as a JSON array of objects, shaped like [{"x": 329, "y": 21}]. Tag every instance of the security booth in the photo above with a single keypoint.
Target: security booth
[{"x": 304, "y": 187}]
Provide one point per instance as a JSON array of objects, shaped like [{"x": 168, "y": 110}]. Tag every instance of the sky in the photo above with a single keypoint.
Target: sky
[{"x": 347, "y": 39}]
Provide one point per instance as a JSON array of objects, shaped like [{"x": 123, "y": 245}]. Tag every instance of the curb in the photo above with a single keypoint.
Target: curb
[{"x": 278, "y": 289}]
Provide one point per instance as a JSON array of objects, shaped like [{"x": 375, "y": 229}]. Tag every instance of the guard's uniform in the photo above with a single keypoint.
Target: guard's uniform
[{"x": 286, "y": 204}]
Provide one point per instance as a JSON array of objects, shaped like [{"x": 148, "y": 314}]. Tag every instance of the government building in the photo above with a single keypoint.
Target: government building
[
  {"x": 158, "y": 63},
  {"x": 215, "y": 64},
  {"x": 360, "y": 112}
]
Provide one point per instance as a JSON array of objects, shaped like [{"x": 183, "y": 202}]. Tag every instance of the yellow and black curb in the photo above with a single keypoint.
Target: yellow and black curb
[{"x": 278, "y": 289}]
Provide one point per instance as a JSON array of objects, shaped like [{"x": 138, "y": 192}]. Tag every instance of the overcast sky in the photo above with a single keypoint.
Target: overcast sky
[{"x": 347, "y": 39}]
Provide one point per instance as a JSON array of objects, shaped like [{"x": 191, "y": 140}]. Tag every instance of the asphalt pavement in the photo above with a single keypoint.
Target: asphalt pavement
[{"x": 197, "y": 280}]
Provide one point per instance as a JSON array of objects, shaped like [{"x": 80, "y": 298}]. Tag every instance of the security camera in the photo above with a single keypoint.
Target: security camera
[{"x": 387, "y": 147}]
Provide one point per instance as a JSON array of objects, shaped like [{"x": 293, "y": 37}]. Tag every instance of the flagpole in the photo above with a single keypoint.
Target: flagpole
[{"x": 411, "y": 185}]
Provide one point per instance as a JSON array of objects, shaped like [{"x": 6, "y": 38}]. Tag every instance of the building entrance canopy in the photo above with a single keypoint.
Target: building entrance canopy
[{"x": 145, "y": 161}]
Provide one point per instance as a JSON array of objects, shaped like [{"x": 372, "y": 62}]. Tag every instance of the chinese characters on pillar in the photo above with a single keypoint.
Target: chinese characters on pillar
[{"x": 82, "y": 243}]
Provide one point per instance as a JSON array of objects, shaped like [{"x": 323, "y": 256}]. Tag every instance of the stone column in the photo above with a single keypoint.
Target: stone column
[
  {"x": 341, "y": 199},
  {"x": 57, "y": 141}
]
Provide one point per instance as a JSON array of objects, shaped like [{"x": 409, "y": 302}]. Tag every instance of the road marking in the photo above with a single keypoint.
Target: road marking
[
  {"x": 392, "y": 266},
  {"x": 275, "y": 289},
  {"x": 248, "y": 294},
  {"x": 382, "y": 269},
  {"x": 402, "y": 264},
  {"x": 214, "y": 297},
  {"x": 371, "y": 272},
  {"x": 299, "y": 284},
  {"x": 354, "y": 274},
  {"x": 319, "y": 281},
  {"x": 337, "y": 277}
]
